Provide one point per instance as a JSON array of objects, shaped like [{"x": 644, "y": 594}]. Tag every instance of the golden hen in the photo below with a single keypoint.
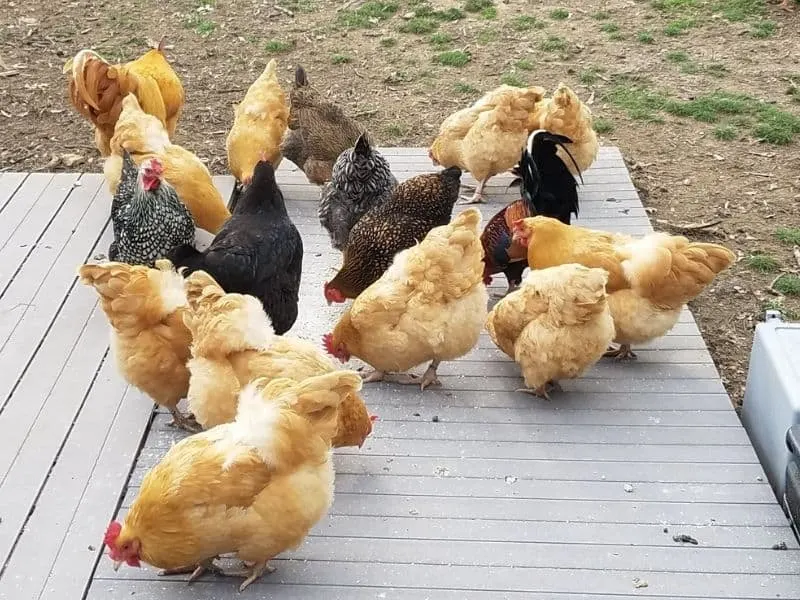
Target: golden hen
[
  {"x": 144, "y": 137},
  {"x": 430, "y": 305},
  {"x": 234, "y": 344},
  {"x": 649, "y": 278},
  {"x": 555, "y": 326},
  {"x": 487, "y": 138},
  {"x": 565, "y": 114},
  {"x": 97, "y": 88},
  {"x": 254, "y": 487},
  {"x": 258, "y": 127},
  {"x": 150, "y": 342}
]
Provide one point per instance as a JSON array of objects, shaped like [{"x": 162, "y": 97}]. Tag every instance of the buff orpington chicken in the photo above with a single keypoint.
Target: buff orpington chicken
[
  {"x": 650, "y": 278},
  {"x": 555, "y": 326},
  {"x": 253, "y": 487},
  {"x": 487, "y": 138},
  {"x": 234, "y": 344},
  {"x": 566, "y": 115},
  {"x": 259, "y": 124},
  {"x": 97, "y": 89},
  {"x": 144, "y": 137},
  {"x": 430, "y": 305},
  {"x": 149, "y": 339}
]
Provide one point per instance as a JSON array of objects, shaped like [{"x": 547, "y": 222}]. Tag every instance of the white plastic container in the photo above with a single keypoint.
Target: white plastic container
[{"x": 772, "y": 395}]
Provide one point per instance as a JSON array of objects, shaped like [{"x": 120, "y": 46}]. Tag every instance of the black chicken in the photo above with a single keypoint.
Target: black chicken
[
  {"x": 147, "y": 217},
  {"x": 548, "y": 189},
  {"x": 361, "y": 179},
  {"x": 417, "y": 205},
  {"x": 258, "y": 251}
]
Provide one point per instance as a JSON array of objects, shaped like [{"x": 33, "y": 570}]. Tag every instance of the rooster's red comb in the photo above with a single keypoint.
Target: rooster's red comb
[
  {"x": 112, "y": 533},
  {"x": 373, "y": 418},
  {"x": 327, "y": 343}
]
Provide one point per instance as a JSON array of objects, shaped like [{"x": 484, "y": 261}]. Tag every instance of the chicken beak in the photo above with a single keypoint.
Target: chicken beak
[{"x": 117, "y": 563}]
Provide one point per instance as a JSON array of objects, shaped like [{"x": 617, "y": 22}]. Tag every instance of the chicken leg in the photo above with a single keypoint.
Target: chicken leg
[
  {"x": 477, "y": 197},
  {"x": 429, "y": 377},
  {"x": 186, "y": 422},
  {"x": 542, "y": 391},
  {"x": 402, "y": 378},
  {"x": 196, "y": 571},
  {"x": 251, "y": 573},
  {"x": 624, "y": 352}
]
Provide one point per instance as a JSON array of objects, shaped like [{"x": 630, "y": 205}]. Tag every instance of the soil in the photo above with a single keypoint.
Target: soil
[{"x": 373, "y": 63}]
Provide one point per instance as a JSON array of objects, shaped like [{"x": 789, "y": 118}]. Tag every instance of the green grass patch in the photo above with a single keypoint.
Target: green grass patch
[
  {"x": 793, "y": 91},
  {"x": 487, "y": 36},
  {"x": 788, "y": 285},
  {"x": 419, "y": 25},
  {"x": 776, "y": 126},
  {"x": 395, "y": 130},
  {"x": 677, "y": 56},
  {"x": 679, "y": 27},
  {"x": 367, "y": 15},
  {"x": 763, "y": 29},
  {"x": 726, "y": 133},
  {"x": 637, "y": 101},
  {"x": 449, "y": 14},
  {"x": 609, "y": 28},
  {"x": 441, "y": 39},
  {"x": 388, "y": 42},
  {"x": 559, "y": 14},
  {"x": 452, "y": 58},
  {"x": 524, "y": 65},
  {"x": 602, "y": 125},
  {"x": 475, "y": 6},
  {"x": 553, "y": 43},
  {"x": 465, "y": 88},
  {"x": 489, "y": 13},
  {"x": 513, "y": 79},
  {"x": 788, "y": 235},
  {"x": 737, "y": 11},
  {"x": 200, "y": 24},
  {"x": 674, "y": 6},
  {"x": 341, "y": 59},
  {"x": 763, "y": 263},
  {"x": 778, "y": 304},
  {"x": 717, "y": 70},
  {"x": 588, "y": 76},
  {"x": 601, "y": 15},
  {"x": 526, "y": 23},
  {"x": 645, "y": 37},
  {"x": 278, "y": 46}
]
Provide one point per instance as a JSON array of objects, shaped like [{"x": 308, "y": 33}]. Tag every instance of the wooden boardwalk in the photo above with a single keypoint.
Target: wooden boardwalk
[{"x": 468, "y": 492}]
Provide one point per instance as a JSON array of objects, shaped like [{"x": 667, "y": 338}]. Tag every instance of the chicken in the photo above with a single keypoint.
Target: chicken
[
  {"x": 361, "y": 179},
  {"x": 147, "y": 217},
  {"x": 488, "y": 137},
  {"x": 555, "y": 326},
  {"x": 319, "y": 131},
  {"x": 258, "y": 252},
  {"x": 429, "y": 306},
  {"x": 650, "y": 278},
  {"x": 567, "y": 115},
  {"x": 417, "y": 205},
  {"x": 548, "y": 188},
  {"x": 258, "y": 126},
  {"x": 254, "y": 487},
  {"x": 234, "y": 344},
  {"x": 150, "y": 342},
  {"x": 145, "y": 137},
  {"x": 97, "y": 88}
]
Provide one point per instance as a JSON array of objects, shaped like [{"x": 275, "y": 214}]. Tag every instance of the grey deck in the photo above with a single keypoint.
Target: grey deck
[{"x": 506, "y": 496}]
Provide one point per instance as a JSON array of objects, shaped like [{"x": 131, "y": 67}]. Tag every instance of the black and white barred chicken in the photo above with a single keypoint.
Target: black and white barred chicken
[
  {"x": 147, "y": 216},
  {"x": 361, "y": 179}
]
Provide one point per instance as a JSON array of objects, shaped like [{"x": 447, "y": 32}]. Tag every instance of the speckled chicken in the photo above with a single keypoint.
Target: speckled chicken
[
  {"x": 319, "y": 131},
  {"x": 361, "y": 179},
  {"x": 147, "y": 216},
  {"x": 417, "y": 205}
]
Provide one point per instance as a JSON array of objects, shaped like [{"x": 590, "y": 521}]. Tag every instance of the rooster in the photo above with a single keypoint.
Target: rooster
[
  {"x": 147, "y": 217},
  {"x": 548, "y": 188},
  {"x": 97, "y": 88}
]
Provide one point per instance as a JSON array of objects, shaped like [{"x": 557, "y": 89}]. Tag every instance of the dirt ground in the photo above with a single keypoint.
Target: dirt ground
[{"x": 701, "y": 96}]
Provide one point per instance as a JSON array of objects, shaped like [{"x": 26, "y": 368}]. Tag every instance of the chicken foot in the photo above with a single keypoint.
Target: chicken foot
[
  {"x": 251, "y": 572},
  {"x": 477, "y": 197},
  {"x": 429, "y": 377},
  {"x": 624, "y": 352},
  {"x": 542, "y": 391},
  {"x": 196, "y": 571},
  {"x": 186, "y": 422},
  {"x": 402, "y": 378}
]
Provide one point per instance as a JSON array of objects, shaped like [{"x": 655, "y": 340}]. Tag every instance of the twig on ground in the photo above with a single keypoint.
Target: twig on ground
[
  {"x": 755, "y": 174},
  {"x": 771, "y": 289},
  {"x": 285, "y": 11},
  {"x": 347, "y": 5},
  {"x": 689, "y": 226}
]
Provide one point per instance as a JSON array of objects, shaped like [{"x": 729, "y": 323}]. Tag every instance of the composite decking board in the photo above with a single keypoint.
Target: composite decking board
[
  {"x": 23, "y": 201},
  {"x": 529, "y": 497},
  {"x": 9, "y": 184}
]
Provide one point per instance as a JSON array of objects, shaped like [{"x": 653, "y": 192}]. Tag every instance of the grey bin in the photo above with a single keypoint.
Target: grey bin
[
  {"x": 791, "y": 499},
  {"x": 772, "y": 396}
]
